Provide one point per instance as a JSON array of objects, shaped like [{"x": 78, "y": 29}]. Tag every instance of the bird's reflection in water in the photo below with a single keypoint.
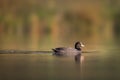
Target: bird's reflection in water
[
  {"x": 79, "y": 58},
  {"x": 82, "y": 59}
]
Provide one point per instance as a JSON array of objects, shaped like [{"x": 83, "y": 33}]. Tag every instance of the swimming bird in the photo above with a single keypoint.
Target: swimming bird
[{"x": 64, "y": 51}]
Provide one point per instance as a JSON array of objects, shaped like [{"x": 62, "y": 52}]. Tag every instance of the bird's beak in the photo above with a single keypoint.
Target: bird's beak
[{"x": 82, "y": 45}]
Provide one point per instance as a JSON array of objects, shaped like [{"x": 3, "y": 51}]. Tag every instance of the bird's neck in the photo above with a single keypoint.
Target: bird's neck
[{"x": 78, "y": 49}]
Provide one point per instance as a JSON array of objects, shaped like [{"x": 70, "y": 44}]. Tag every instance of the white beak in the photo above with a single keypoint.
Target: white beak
[{"x": 82, "y": 45}]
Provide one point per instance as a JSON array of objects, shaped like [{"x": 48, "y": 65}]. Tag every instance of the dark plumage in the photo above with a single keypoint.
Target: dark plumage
[{"x": 63, "y": 51}]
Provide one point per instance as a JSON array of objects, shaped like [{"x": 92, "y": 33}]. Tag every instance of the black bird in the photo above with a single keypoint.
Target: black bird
[{"x": 64, "y": 51}]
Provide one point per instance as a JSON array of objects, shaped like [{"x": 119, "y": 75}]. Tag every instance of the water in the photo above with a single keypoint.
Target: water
[
  {"x": 37, "y": 67},
  {"x": 102, "y": 65}
]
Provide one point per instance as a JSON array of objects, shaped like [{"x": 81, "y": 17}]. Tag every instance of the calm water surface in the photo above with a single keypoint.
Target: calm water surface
[{"x": 104, "y": 65}]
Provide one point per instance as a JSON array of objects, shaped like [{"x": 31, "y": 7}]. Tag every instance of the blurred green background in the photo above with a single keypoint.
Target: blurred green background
[
  {"x": 40, "y": 25},
  {"x": 45, "y": 24}
]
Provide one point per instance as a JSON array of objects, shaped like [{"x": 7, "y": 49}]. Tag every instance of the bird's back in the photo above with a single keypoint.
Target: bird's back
[{"x": 66, "y": 51}]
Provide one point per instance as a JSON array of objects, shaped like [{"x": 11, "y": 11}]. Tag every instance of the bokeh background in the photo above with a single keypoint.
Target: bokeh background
[
  {"x": 45, "y": 24},
  {"x": 40, "y": 25}
]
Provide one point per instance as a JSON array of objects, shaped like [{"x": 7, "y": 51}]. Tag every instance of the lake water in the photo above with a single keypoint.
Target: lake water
[{"x": 103, "y": 65}]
